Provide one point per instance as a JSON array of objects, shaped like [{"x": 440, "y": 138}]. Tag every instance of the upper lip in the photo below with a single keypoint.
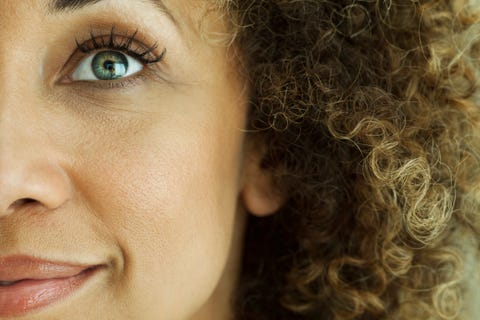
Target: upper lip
[{"x": 16, "y": 268}]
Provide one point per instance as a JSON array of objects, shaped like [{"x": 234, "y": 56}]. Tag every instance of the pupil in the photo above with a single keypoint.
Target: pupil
[{"x": 110, "y": 66}]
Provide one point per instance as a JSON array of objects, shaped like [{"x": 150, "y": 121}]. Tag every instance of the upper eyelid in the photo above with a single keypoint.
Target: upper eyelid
[{"x": 123, "y": 43}]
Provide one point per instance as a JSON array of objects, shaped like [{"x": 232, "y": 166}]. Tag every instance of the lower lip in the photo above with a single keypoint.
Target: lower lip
[{"x": 29, "y": 295}]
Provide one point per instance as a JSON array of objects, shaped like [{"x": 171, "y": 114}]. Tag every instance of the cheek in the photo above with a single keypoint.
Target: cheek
[{"x": 168, "y": 195}]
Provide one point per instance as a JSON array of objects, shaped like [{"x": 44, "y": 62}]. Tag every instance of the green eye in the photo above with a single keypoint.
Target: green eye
[
  {"x": 109, "y": 65},
  {"x": 106, "y": 65}
]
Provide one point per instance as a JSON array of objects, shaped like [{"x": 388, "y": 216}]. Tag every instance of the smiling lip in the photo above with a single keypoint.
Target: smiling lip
[{"x": 37, "y": 283}]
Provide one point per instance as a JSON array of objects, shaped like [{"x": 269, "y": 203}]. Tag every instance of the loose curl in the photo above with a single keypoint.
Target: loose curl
[{"x": 365, "y": 111}]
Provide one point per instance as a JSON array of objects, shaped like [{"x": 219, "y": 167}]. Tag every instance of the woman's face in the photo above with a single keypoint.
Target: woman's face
[{"x": 121, "y": 148}]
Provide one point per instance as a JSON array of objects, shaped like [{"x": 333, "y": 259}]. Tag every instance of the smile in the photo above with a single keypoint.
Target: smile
[{"x": 28, "y": 284}]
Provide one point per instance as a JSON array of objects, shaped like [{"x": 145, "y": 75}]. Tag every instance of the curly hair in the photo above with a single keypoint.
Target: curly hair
[{"x": 366, "y": 111}]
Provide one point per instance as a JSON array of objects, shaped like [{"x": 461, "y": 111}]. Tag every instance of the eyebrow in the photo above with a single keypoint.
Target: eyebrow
[{"x": 59, "y": 6}]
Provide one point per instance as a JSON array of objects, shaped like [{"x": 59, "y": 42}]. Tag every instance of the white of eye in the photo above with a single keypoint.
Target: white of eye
[{"x": 84, "y": 71}]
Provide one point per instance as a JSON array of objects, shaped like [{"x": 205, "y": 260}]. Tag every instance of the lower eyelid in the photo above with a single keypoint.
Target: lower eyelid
[{"x": 134, "y": 80}]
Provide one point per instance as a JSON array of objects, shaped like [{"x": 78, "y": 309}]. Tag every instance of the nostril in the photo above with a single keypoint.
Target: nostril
[{"x": 22, "y": 202}]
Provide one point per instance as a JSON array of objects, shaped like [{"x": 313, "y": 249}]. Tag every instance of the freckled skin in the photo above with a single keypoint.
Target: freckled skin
[{"x": 146, "y": 178}]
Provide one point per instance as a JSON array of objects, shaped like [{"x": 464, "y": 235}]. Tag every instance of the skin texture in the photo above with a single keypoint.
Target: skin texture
[{"x": 151, "y": 178}]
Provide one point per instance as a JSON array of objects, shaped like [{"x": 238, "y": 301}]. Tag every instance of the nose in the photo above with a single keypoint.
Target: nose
[
  {"x": 31, "y": 171},
  {"x": 24, "y": 182},
  {"x": 32, "y": 166}
]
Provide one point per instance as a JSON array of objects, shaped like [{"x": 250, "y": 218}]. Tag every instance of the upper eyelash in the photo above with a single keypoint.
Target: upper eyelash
[{"x": 124, "y": 45}]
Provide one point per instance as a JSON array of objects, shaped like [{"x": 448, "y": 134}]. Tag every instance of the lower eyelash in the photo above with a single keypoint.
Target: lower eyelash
[{"x": 123, "y": 44}]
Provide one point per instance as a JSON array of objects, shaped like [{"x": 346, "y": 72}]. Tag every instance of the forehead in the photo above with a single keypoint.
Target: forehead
[{"x": 188, "y": 15}]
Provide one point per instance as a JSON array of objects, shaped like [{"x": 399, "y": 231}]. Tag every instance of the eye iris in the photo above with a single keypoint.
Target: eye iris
[{"x": 109, "y": 65}]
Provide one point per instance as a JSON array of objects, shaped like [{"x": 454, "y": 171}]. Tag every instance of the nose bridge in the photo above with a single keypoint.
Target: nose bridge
[
  {"x": 18, "y": 132},
  {"x": 19, "y": 119}
]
